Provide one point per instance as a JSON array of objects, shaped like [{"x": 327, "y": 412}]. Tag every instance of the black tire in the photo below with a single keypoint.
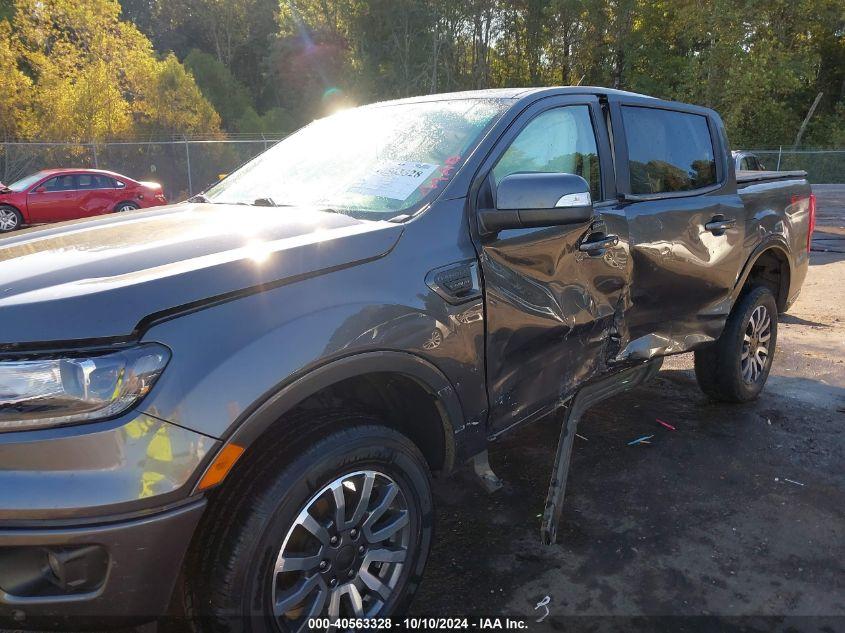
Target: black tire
[
  {"x": 231, "y": 574},
  {"x": 126, "y": 206},
  {"x": 720, "y": 369},
  {"x": 11, "y": 214}
]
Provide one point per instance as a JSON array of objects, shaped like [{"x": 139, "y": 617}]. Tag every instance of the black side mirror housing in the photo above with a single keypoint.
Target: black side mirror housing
[{"x": 527, "y": 200}]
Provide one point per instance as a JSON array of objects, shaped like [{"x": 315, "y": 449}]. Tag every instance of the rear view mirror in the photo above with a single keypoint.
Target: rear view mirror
[{"x": 528, "y": 200}]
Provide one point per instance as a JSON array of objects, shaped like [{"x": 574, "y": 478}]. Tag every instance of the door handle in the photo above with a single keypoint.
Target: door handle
[
  {"x": 719, "y": 224},
  {"x": 598, "y": 246}
]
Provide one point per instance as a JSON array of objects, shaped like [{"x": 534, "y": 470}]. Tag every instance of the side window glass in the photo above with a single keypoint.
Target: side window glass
[
  {"x": 86, "y": 181},
  {"x": 66, "y": 183},
  {"x": 51, "y": 185},
  {"x": 104, "y": 182},
  {"x": 561, "y": 140},
  {"x": 668, "y": 150},
  {"x": 117, "y": 184},
  {"x": 743, "y": 164}
]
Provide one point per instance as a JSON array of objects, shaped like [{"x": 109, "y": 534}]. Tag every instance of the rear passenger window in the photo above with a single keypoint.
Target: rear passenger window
[
  {"x": 86, "y": 181},
  {"x": 668, "y": 151}
]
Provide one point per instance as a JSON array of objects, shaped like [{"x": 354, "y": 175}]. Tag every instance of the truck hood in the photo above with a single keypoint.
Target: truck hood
[{"x": 101, "y": 278}]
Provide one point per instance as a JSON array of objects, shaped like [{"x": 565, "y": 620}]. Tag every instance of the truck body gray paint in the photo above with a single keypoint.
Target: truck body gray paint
[{"x": 262, "y": 312}]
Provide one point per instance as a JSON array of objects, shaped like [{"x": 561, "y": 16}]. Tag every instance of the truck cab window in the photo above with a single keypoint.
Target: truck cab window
[
  {"x": 668, "y": 150},
  {"x": 560, "y": 140}
]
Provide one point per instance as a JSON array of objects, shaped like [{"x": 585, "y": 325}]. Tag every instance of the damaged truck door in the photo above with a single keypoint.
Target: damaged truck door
[
  {"x": 686, "y": 224},
  {"x": 552, "y": 272}
]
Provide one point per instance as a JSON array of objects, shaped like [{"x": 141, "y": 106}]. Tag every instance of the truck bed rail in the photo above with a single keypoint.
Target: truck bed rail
[{"x": 746, "y": 177}]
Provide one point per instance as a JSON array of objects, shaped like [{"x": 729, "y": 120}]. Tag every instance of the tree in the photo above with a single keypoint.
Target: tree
[
  {"x": 229, "y": 96},
  {"x": 15, "y": 120},
  {"x": 173, "y": 103},
  {"x": 94, "y": 76}
]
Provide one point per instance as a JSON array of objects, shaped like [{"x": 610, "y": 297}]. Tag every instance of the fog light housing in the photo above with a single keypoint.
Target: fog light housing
[{"x": 37, "y": 572}]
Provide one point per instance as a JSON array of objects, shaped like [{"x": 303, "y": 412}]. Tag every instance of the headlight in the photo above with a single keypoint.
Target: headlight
[{"x": 57, "y": 390}]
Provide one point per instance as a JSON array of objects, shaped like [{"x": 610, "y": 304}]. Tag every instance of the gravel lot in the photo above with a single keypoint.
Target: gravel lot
[{"x": 700, "y": 529}]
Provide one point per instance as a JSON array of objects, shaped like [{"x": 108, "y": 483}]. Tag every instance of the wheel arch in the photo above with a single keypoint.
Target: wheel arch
[
  {"x": 427, "y": 403},
  {"x": 770, "y": 264}
]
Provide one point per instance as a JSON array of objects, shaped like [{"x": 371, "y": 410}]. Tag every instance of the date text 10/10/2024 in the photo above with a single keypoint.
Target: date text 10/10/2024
[{"x": 418, "y": 624}]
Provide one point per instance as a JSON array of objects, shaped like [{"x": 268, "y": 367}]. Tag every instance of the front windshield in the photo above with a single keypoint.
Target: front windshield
[
  {"x": 371, "y": 162},
  {"x": 26, "y": 182}
]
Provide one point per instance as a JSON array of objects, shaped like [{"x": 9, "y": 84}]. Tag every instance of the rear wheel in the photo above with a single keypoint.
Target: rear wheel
[
  {"x": 10, "y": 218},
  {"x": 735, "y": 367},
  {"x": 341, "y": 531},
  {"x": 126, "y": 206}
]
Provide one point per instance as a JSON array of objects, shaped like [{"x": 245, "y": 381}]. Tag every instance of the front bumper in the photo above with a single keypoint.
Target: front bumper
[
  {"x": 101, "y": 575},
  {"x": 95, "y": 520},
  {"x": 132, "y": 464}
]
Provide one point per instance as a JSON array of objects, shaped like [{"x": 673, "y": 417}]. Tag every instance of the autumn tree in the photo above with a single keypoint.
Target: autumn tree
[
  {"x": 15, "y": 119},
  {"x": 94, "y": 76}
]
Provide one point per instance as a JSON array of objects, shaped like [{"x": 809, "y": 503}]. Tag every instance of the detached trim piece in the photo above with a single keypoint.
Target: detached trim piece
[{"x": 585, "y": 398}]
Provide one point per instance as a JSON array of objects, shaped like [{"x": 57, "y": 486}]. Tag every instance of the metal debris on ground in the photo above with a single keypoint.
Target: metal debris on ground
[
  {"x": 666, "y": 424},
  {"x": 792, "y": 481},
  {"x": 544, "y": 603},
  {"x": 641, "y": 440},
  {"x": 582, "y": 437}
]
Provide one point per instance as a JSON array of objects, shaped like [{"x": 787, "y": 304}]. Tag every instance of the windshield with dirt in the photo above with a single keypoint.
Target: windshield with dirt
[{"x": 372, "y": 162}]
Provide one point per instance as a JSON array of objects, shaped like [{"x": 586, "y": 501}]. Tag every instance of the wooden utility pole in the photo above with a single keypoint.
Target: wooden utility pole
[{"x": 807, "y": 120}]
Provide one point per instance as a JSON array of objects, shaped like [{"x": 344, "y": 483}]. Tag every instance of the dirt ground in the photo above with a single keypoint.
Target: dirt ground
[{"x": 735, "y": 521}]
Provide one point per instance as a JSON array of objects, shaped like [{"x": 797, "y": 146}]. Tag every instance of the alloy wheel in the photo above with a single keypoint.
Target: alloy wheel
[
  {"x": 344, "y": 554},
  {"x": 755, "y": 345},
  {"x": 8, "y": 220}
]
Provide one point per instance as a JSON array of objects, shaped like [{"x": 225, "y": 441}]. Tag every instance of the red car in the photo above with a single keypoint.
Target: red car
[{"x": 55, "y": 195}]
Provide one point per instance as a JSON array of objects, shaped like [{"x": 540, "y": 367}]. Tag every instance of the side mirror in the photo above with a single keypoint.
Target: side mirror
[
  {"x": 527, "y": 200},
  {"x": 41, "y": 189}
]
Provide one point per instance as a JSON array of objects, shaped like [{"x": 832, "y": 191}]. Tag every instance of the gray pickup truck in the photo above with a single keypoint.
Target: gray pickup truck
[{"x": 232, "y": 407}]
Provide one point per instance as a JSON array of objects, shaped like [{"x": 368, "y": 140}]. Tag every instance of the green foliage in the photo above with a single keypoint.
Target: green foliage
[
  {"x": 760, "y": 63},
  {"x": 17, "y": 90},
  {"x": 267, "y": 66},
  {"x": 174, "y": 103},
  {"x": 7, "y": 9},
  {"x": 78, "y": 72},
  {"x": 229, "y": 97},
  {"x": 275, "y": 122}
]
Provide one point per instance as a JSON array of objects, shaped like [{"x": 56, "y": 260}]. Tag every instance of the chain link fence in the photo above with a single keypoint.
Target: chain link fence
[
  {"x": 189, "y": 165},
  {"x": 823, "y": 166},
  {"x": 183, "y": 167}
]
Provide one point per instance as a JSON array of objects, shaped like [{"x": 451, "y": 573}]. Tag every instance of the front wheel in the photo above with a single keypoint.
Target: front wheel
[
  {"x": 10, "y": 218},
  {"x": 736, "y": 366},
  {"x": 342, "y": 531}
]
